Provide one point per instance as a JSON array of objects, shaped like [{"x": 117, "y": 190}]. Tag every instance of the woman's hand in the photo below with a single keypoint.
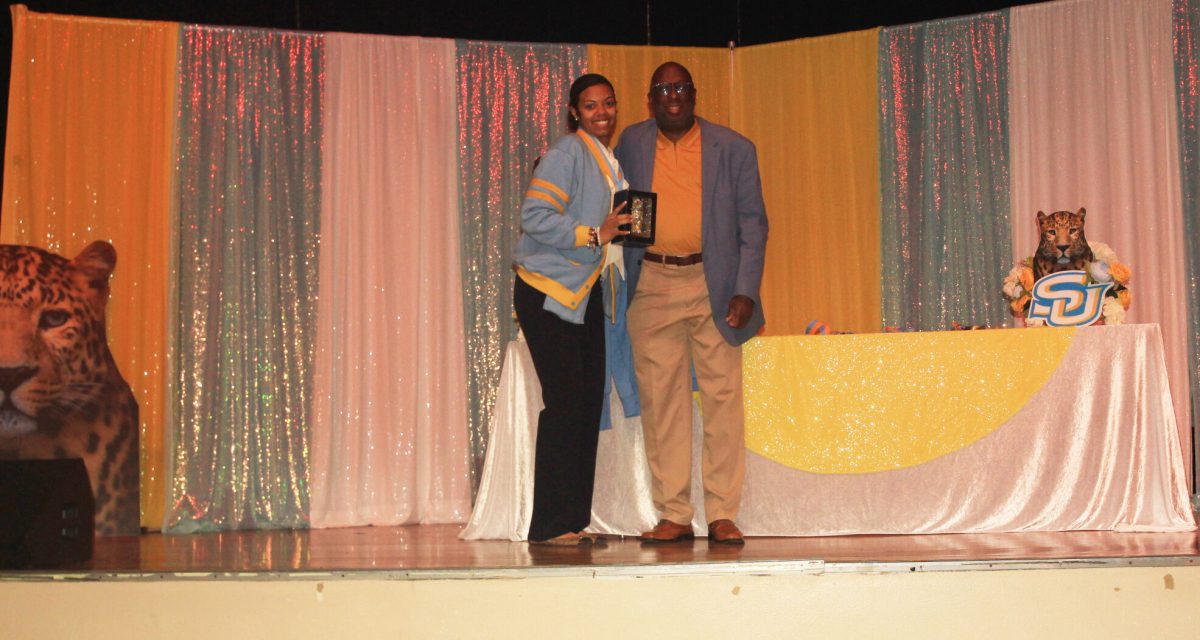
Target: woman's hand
[{"x": 611, "y": 227}]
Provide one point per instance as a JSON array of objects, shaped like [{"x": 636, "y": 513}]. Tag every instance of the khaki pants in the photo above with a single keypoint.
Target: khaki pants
[{"x": 670, "y": 325}]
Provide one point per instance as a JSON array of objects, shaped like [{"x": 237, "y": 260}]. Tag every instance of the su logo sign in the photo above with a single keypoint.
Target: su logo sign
[{"x": 1065, "y": 299}]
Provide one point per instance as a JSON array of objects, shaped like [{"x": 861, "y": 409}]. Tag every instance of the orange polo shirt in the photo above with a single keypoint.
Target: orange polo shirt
[{"x": 677, "y": 183}]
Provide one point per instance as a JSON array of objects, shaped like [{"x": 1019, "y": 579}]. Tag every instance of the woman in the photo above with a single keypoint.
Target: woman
[{"x": 567, "y": 223}]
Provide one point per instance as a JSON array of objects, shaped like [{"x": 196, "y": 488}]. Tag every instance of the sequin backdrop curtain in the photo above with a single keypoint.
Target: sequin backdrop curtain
[
  {"x": 249, "y": 159},
  {"x": 512, "y": 102},
  {"x": 1186, "y": 24},
  {"x": 88, "y": 158},
  {"x": 390, "y": 441},
  {"x": 629, "y": 69},
  {"x": 817, "y": 139},
  {"x": 1094, "y": 125},
  {"x": 943, "y": 147}
]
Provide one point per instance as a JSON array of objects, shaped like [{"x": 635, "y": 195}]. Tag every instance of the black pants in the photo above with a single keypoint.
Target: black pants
[{"x": 569, "y": 359}]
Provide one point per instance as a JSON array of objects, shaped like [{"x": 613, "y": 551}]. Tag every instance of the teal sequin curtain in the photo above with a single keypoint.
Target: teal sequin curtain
[
  {"x": 512, "y": 103},
  {"x": 944, "y": 172},
  {"x": 1187, "y": 81},
  {"x": 248, "y": 150}
]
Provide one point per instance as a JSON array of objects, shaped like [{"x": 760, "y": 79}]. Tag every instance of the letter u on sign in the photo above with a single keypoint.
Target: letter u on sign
[{"x": 1065, "y": 299}]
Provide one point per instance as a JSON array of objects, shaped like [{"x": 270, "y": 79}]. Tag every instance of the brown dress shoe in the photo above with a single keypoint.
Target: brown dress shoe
[
  {"x": 724, "y": 532},
  {"x": 667, "y": 531}
]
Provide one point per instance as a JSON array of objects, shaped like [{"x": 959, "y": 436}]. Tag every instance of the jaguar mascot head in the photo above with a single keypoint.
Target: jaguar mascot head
[
  {"x": 61, "y": 395},
  {"x": 1061, "y": 243}
]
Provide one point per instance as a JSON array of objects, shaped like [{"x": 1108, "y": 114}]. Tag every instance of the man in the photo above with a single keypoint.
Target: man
[{"x": 694, "y": 300}]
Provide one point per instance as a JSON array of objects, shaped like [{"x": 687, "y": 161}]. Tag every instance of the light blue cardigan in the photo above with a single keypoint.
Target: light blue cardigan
[{"x": 569, "y": 194}]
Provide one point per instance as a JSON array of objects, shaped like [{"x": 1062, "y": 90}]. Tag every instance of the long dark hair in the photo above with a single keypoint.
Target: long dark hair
[{"x": 581, "y": 84}]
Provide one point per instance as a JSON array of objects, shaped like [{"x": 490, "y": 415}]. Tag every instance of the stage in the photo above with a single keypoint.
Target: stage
[
  {"x": 422, "y": 581},
  {"x": 1074, "y": 570}
]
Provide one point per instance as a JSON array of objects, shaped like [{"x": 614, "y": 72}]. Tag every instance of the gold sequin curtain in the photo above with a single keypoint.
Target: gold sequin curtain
[
  {"x": 810, "y": 107},
  {"x": 512, "y": 102},
  {"x": 89, "y": 158},
  {"x": 248, "y": 195}
]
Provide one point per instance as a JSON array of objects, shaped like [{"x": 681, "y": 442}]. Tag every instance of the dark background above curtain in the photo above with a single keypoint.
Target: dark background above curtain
[{"x": 669, "y": 22}]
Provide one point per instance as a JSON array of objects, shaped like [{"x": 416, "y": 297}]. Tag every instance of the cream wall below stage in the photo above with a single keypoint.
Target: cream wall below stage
[{"x": 1158, "y": 602}]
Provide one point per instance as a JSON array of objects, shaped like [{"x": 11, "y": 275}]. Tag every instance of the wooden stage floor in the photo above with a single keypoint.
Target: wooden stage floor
[{"x": 435, "y": 551}]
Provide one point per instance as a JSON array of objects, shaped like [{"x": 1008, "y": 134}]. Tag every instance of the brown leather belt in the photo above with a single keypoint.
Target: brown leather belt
[{"x": 678, "y": 261}]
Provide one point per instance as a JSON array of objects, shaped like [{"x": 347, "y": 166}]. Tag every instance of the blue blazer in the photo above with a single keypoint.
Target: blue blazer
[{"x": 733, "y": 224}]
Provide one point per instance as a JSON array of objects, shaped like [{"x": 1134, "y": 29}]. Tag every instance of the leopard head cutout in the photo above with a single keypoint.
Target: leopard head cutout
[
  {"x": 1062, "y": 245},
  {"x": 61, "y": 394}
]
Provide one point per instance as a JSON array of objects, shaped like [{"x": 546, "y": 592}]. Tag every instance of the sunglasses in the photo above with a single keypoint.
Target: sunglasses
[{"x": 665, "y": 88}]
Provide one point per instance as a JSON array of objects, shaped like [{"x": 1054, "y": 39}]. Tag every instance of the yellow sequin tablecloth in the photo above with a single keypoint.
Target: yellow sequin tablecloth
[{"x": 940, "y": 432}]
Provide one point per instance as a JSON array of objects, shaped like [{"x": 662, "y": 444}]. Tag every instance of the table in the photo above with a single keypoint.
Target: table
[{"x": 918, "y": 433}]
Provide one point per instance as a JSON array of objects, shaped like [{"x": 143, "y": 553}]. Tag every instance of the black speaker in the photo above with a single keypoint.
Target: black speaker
[{"x": 47, "y": 517}]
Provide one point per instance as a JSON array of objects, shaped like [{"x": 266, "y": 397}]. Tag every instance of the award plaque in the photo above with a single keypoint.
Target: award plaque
[{"x": 642, "y": 206}]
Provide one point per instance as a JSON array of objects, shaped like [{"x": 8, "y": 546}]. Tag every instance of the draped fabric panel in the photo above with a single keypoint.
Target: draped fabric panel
[
  {"x": 629, "y": 69},
  {"x": 88, "y": 158},
  {"x": 389, "y": 438},
  {"x": 1187, "y": 92},
  {"x": 248, "y": 196},
  {"x": 1085, "y": 451},
  {"x": 1070, "y": 452},
  {"x": 817, "y": 139},
  {"x": 944, "y": 171},
  {"x": 512, "y": 102},
  {"x": 1094, "y": 125},
  {"x": 504, "y": 503}
]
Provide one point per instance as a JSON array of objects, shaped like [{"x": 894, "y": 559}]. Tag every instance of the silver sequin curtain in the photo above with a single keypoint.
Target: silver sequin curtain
[
  {"x": 248, "y": 176},
  {"x": 512, "y": 102},
  {"x": 944, "y": 171},
  {"x": 1187, "y": 82}
]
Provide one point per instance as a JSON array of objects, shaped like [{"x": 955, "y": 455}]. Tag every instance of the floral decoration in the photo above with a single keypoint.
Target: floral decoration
[{"x": 1106, "y": 268}]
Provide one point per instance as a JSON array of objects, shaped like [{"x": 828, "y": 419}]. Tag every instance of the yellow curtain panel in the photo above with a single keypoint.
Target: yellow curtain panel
[
  {"x": 90, "y": 132},
  {"x": 811, "y": 108},
  {"x": 629, "y": 69}
]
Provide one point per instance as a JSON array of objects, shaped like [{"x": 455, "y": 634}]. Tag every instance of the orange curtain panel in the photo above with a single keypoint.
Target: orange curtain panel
[
  {"x": 88, "y": 157},
  {"x": 811, "y": 108}
]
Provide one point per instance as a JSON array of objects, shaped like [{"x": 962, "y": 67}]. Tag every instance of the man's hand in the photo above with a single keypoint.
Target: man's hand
[{"x": 740, "y": 310}]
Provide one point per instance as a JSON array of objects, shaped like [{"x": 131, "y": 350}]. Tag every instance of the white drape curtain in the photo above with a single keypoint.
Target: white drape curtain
[
  {"x": 1085, "y": 452},
  {"x": 1093, "y": 124},
  {"x": 389, "y": 441}
]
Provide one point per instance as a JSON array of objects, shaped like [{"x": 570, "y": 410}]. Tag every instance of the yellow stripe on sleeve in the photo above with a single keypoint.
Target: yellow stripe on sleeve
[
  {"x": 532, "y": 193},
  {"x": 551, "y": 187}
]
